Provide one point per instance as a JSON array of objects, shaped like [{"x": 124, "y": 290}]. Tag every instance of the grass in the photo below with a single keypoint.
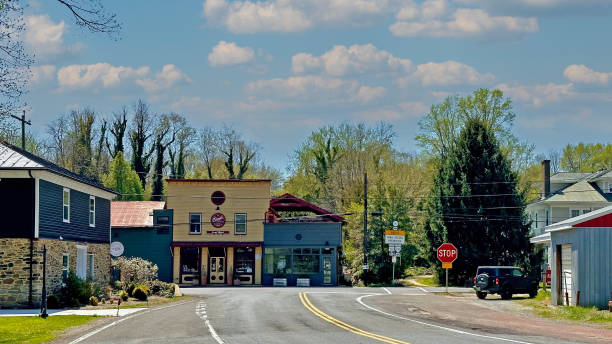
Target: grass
[
  {"x": 134, "y": 303},
  {"x": 38, "y": 330},
  {"x": 541, "y": 306},
  {"x": 427, "y": 280}
]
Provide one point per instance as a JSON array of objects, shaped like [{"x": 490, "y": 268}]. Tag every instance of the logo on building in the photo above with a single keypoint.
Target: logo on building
[{"x": 217, "y": 220}]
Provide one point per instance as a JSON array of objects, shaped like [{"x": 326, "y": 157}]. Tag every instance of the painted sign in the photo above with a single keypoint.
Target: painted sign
[
  {"x": 116, "y": 248},
  {"x": 394, "y": 250},
  {"x": 447, "y": 253},
  {"x": 393, "y": 236},
  {"x": 217, "y": 220},
  {"x": 217, "y": 232}
]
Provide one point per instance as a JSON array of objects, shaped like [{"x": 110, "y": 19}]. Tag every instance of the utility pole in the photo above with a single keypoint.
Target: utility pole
[
  {"x": 365, "y": 228},
  {"x": 23, "y": 123}
]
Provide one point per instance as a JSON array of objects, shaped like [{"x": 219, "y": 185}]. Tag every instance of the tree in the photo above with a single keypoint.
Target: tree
[
  {"x": 586, "y": 157},
  {"x": 237, "y": 153},
  {"x": 185, "y": 136},
  {"x": 90, "y": 14},
  {"x": 124, "y": 180},
  {"x": 208, "y": 148},
  {"x": 118, "y": 128},
  {"x": 165, "y": 135},
  {"x": 140, "y": 133},
  {"x": 475, "y": 204}
]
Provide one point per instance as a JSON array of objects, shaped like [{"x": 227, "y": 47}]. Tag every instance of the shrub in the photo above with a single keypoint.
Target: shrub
[
  {"x": 160, "y": 288},
  {"x": 103, "y": 301},
  {"x": 118, "y": 285},
  {"x": 93, "y": 301},
  {"x": 140, "y": 293},
  {"x": 135, "y": 270},
  {"x": 417, "y": 271},
  {"x": 75, "y": 291},
  {"x": 130, "y": 289},
  {"x": 123, "y": 295},
  {"x": 52, "y": 302}
]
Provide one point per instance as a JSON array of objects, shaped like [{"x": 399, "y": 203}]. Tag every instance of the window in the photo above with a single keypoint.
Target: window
[
  {"x": 163, "y": 224},
  {"x": 240, "y": 224},
  {"x": 517, "y": 273},
  {"x": 65, "y": 266},
  {"x": 90, "y": 265},
  {"x": 66, "y": 203},
  {"x": 578, "y": 211},
  {"x": 278, "y": 261},
  {"x": 92, "y": 211},
  {"x": 306, "y": 263},
  {"x": 244, "y": 260},
  {"x": 609, "y": 188},
  {"x": 195, "y": 223}
]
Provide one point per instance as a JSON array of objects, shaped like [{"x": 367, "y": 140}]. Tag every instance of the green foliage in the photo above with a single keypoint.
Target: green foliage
[
  {"x": 124, "y": 180},
  {"x": 586, "y": 157},
  {"x": 130, "y": 289},
  {"x": 416, "y": 271},
  {"x": 53, "y": 302},
  {"x": 123, "y": 295},
  {"x": 93, "y": 300},
  {"x": 160, "y": 288},
  {"x": 75, "y": 291},
  {"x": 34, "y": 330},
  {"x": 140, "y": 292},
  {"x": 135, "y": 270},
  {"x": 475, "y": 204},
  {"x": 541, "y": 306}
]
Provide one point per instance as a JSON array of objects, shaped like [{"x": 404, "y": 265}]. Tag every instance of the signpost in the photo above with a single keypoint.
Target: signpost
[
  {"x": 447, "y": 254},
  {"x": 395, "y": 239}
]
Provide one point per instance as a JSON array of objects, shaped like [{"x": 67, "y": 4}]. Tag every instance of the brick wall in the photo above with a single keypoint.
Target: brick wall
[{"x": 15, "y": 268}]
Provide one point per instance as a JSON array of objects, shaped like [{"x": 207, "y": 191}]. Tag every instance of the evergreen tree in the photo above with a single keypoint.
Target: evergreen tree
[
  {"x": 476, "y": 205},
  {"x": 124, "y": 180}
]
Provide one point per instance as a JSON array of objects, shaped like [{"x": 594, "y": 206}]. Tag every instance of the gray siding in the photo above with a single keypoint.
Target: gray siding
[
  {"x": 591, "y": 264},
  {"x": 313, "y": 234},
  {"x": 51, "y": 225}
]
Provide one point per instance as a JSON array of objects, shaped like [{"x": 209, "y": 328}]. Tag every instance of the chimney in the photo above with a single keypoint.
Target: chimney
[{"x": 545, "y": 178}]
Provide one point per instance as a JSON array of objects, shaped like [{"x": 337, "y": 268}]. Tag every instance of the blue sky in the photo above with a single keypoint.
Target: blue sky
[{"x": 276, "y": 70}]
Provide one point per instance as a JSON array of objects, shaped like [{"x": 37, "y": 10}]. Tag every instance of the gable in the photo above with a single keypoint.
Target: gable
[{"x": 602, "y": 221}]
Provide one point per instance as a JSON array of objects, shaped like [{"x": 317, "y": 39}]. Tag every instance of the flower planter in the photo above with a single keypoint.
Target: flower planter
[
  {"x": 279, "y": 282},
  {"x": 303, "y": 282}
]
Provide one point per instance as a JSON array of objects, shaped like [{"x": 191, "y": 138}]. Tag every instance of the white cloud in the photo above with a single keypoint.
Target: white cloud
[
  {"x": 414, "y": 109},
  {"x": 446, "y": 74},
  {"x": 105, "y": 76},
  {"x": 293, "y": 15},
  {"x": 542, "y": 7},
  {"x": 583, "y": 74},
  {"x": 463, "y": 23},
  {"x": 169, "y": 76},
  {"x": 304, "y": 86},
  {"x": 367, "y": 94},
  {"x": 538, "y": 95},
  {"x": 341, "y": 60},
  {"x": 42, "y": 74},
  {"x": 378, "y": 115},
  {"x": 45, "y": 37},
  {"x": 229, "y": 54}
]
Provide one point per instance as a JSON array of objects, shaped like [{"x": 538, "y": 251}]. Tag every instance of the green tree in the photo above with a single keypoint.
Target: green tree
[
  {"x": 588, "y": 157},
  {"x": 475, "y": 204},
  {"x": 123, "y": 179}
]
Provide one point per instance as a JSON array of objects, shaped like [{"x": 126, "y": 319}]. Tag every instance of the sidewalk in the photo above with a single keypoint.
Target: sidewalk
[{"x": 52, "y": 312}]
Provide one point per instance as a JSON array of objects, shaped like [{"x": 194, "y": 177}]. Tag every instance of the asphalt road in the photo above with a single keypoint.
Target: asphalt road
[{"x": 307, "y": 315}]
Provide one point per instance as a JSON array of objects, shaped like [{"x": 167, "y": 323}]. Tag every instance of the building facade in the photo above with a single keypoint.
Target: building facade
[
  {"x": 144, "y": 228},
  {"x": 218, "y": 230},
  {"x": 49, "y": 207}
]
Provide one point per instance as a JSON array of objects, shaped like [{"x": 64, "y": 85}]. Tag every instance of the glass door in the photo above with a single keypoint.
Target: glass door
[
  {"x": 217, "y": 270},
  {"x": 327, "y": 270}
]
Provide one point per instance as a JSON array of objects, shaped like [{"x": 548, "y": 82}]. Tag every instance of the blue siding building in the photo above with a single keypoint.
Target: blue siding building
[{"x": 305, "y": 247}]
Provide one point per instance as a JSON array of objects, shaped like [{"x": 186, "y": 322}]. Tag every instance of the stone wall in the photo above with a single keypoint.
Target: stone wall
[{"x": 15, "y": 268}]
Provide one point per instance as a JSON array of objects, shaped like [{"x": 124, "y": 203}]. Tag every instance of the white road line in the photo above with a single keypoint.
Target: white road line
[
  {"x": 437, "y": 326},
  {"x": 339, "y": 292},
  {"x": 414, "y": 294},
  {"x": 201, "y": 312},
  {"x": 387, "y": 290},
  {"x": 422, "y": 289},
  {"x": 87, "y": 335}
]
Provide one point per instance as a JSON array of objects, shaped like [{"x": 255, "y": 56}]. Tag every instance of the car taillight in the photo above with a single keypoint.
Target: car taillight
[
  {"x": 474, "y": 280},
  {"x": 497, "y": 281}
]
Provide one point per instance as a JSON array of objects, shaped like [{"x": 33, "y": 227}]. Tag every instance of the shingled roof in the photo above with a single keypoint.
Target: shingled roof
[{"x": 14, "y": 158}]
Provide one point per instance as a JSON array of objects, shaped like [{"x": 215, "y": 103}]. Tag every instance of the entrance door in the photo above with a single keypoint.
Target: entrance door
[
  {"x": 327, "y": 270},
  {"x": 217, "y": 270},
  {"x": 566, "y": 275}
]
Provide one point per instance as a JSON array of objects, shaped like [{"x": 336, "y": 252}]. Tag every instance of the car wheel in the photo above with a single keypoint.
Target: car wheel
[
  {"x": 481, "y": 295},
  {"x": 533, "y": 292},
  {"x": 506, "y": 293}
]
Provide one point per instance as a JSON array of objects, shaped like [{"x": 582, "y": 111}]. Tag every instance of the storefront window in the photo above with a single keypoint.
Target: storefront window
[
  {"x": 189, "y": 259},
  {"x": 278, "y": 261},
  {"x": 245, "y": 260},
  {"x": 306, "y": 263}
]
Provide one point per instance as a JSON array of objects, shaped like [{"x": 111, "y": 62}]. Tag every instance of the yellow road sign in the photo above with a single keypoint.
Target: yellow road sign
[
  {"x": 395, "y": 232},
  {"x": 447, "y": 265}
]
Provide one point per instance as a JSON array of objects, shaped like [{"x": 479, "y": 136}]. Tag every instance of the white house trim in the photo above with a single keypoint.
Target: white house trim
[
  {"x": 36, "y": 207},
  {"x": 59, "y": 180}
]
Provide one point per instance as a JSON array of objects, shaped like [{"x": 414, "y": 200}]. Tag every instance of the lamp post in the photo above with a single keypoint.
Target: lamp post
[{"x": 43, "y": 303}]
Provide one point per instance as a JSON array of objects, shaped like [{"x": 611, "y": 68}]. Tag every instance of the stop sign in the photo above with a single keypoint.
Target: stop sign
[{"x": 447, "y": 253}]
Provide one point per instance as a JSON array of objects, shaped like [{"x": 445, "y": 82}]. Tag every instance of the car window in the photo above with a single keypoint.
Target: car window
[
  {"x": 488, "y": 271},
  {"x": 517, "y": 273},
  {"x": 505, "y": 272}
]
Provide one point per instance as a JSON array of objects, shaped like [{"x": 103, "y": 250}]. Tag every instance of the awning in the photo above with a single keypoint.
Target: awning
[{"x": 541, "y": 239}]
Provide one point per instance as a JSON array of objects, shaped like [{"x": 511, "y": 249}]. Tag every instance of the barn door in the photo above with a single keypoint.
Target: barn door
[{"x": 566, "y": 275}]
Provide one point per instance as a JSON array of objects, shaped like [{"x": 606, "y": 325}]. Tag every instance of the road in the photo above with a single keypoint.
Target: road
[{"x": 331, "y": 315}]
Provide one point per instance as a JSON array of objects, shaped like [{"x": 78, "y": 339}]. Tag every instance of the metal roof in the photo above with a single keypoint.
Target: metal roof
[
  {"x": 134, "y": 213},
  {"x": 14, "y": 158}
]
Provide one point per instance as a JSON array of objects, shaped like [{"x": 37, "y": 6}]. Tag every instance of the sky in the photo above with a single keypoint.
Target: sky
[{"x": 277, "y": 70}]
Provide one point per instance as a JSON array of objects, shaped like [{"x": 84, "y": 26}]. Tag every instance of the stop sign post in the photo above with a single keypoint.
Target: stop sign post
[{"x": 447, "y": 254}]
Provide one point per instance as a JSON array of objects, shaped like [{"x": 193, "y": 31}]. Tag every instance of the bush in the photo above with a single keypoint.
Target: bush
[
  {"x": 160, "y": 288},
  {"x": 93, "y": 301},
  {"x": 417, "y": 271},
  {"x": 118, "y": 285},
  {"x": 75, "y": 291},
  {"x": 52, "y": 302},
  {"x": 130, "y": 289},
  {"x": 134, "y": 270},
  {"x": 123, "y": 295},
  {"x": 140, "y": 293}
]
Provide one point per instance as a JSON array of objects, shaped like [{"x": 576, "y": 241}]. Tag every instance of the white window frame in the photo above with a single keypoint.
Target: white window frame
[
  {"x": 90, "y": 266},
  {"x": 581, "y": 211},
  {"x": 190, "y": 223},
  {"x": 236, "y": 223},
  {"x": 67, "y": 267},
  {"x": 65, "y": 205},
  {"x": 92, "y": 213},
  {"x": 608, "y": 187}
]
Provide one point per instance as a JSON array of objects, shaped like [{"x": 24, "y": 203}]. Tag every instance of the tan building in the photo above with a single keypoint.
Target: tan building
[{"x": 218, "y": 230}]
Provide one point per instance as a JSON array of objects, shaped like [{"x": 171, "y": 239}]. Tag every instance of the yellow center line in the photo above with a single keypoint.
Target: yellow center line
[{"x": 306, "y": 302}]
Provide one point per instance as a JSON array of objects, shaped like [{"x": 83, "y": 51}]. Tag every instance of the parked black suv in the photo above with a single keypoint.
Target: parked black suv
[{"x": 503, "y": 280}]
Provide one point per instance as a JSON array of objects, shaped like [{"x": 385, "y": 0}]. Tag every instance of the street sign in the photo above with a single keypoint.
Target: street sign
[
  {"x": 365, "y": 266},
  {"x": 447, "y": 253},
  {"x": 447, "y": 265},
  {"x": 394, "y": 250},
  {"x": 393, "y": 236},
  {"x": 393, "y": 260}
]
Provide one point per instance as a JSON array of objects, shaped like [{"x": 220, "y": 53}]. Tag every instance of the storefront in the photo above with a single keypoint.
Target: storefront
[{"x": 304, "y": 247}]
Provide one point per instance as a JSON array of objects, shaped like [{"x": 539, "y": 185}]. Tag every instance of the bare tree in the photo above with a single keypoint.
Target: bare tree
[
  {"x": 246, "y": 152},
  {"x": 140, "y": 133},
  {"x": 118, "y": 128},
  {"x": 208, "y": 148},
  {"x": 90, "y": 14},
  {"x": 555, "y": 160},
  {"x": 58, "y": 133},
  {"x": 237, "y": 152},
  {"x": 185, "y": 136},
  {"x": 165, "y": 135}
]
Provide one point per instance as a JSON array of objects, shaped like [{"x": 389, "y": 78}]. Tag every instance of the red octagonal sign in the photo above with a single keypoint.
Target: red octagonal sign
[{"x": 447, "y": 253}]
